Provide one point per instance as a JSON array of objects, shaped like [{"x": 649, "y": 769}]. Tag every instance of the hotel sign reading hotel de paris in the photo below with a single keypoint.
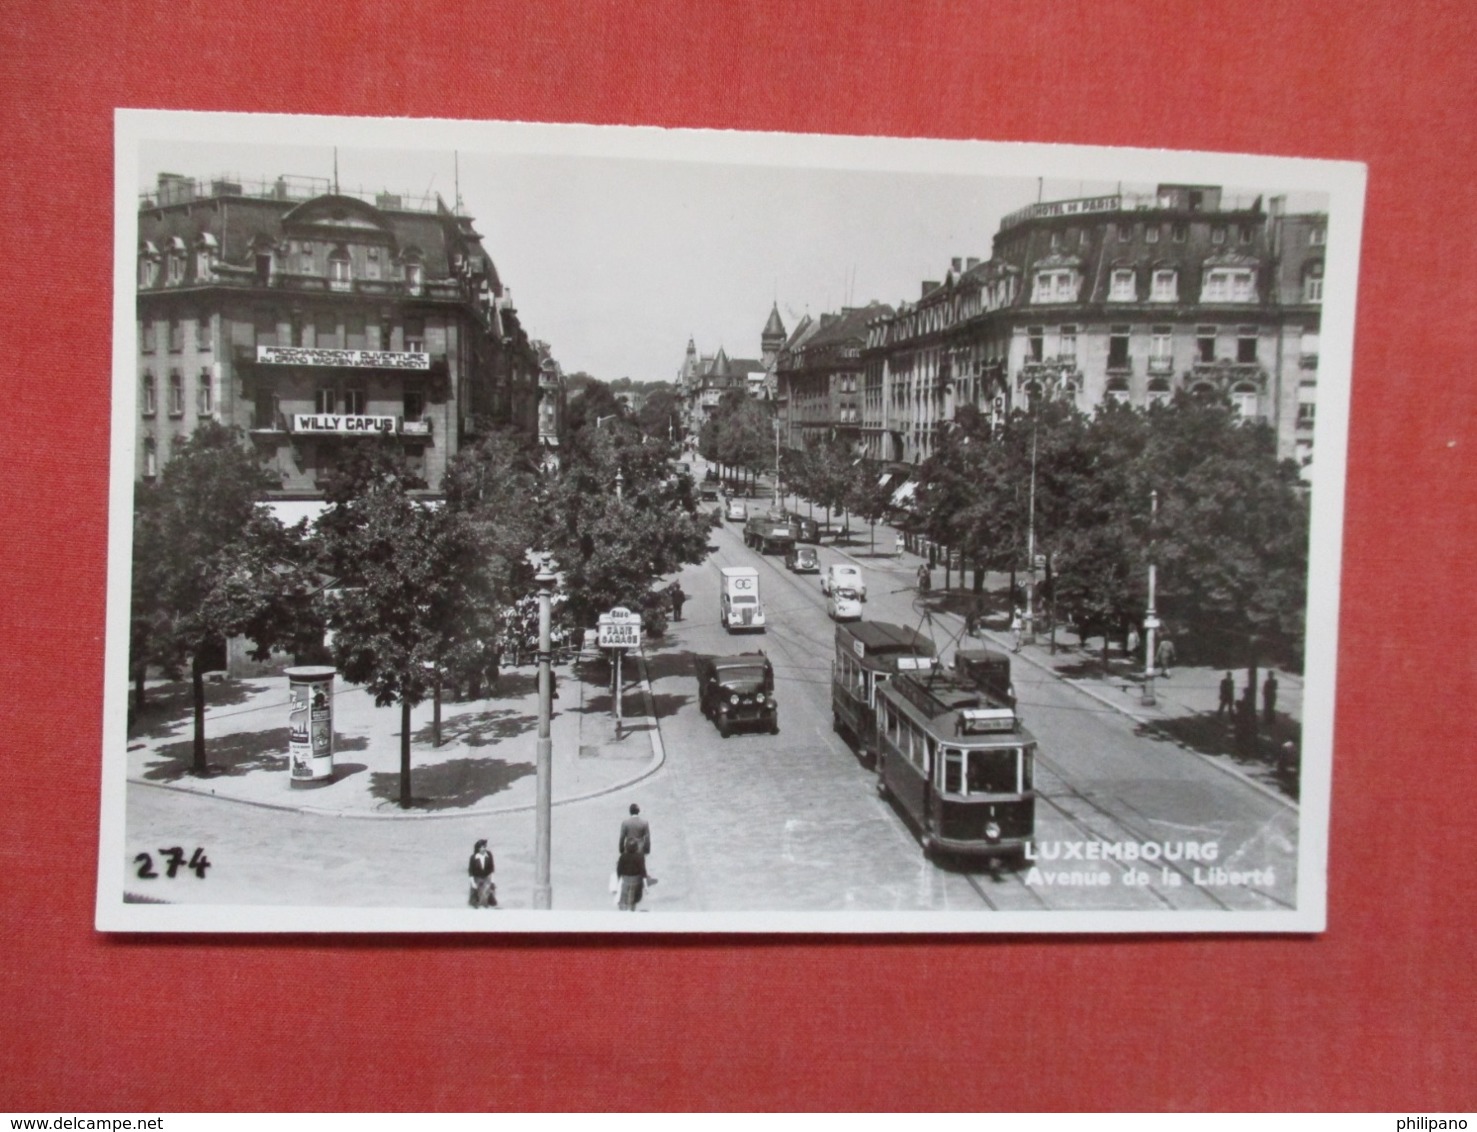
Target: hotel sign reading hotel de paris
[{"x": 310, "y": 319}]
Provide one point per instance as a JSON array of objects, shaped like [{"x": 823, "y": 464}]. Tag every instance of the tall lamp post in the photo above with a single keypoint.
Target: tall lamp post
[
  {"x": 543, "y": 893},
  {"x": 1029, "y": 617},
  {"x": 776, "y": 462},
  {"x": 620, "y": 483},
  {"x": 1151, "y": 617}
]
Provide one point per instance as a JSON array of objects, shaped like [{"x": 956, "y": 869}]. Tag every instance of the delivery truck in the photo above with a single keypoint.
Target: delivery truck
[{"x": 740, "y": 607}]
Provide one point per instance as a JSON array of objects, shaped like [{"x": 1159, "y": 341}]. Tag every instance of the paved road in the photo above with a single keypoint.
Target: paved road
[{"x": 769, "y": 823}]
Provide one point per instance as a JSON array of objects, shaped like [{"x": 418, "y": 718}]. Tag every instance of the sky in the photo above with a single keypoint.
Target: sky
[{"x": 616, "y": 261}]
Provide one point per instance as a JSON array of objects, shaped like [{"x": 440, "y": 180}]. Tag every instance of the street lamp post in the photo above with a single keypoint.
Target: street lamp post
[
  {"x": 1151, "y": 617},
  {"x": 543, "y": 893},
  {"x": 776, "y": 463},
  {"x": 620, "y": 483},
  {"x": 1029, "y": 618}
]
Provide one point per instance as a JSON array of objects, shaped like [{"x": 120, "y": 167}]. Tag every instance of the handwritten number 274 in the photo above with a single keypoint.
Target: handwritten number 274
[{"x": 174, "y": 860}]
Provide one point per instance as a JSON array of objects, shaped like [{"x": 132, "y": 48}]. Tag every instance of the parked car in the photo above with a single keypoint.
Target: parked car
[
  {"x": 736, "y": 512},
  {"x": 708, "y": 493},
  {"x": 803, "y": 560},
  {"x": 843, "y": 575},
  {"x": 738, "y": 691},
  {"x": 844, "y": 604}
]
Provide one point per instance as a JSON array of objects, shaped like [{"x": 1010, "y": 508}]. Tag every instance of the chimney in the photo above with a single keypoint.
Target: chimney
[
  {"x": 929, "y": 285},
  {"x": 956, "y": 265},
  {"x": 971, "y": 263}
]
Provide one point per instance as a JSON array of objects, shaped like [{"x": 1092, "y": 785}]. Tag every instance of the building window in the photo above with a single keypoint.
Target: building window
[
  {"x": 325, "y": 332},
  {"x": 205, "y": 395},
  {"x": 414, "y": 276},
  {"x": 1243, "y": 401},
  {"x": 1118, "y": 347},
  {"x": 148, "y": 269},
  {"x": 1161, "y": 349},
  {"x": 176, "y": 274},
  {"x": 1054, "y": 287},
  {"x": 1120, "y": 286},
  {"x": 1313, "y": 283},
  {"x": 1158, "y": 391},
  {"x": 1035, "y": 343},
  {"x": 202, "y": 332},
  {"x": 1246, "y": 345},
  {"x": 1166, "y": 286},
  {"x": 305, "y": 259},
  {"x": 339, "y": 275},
  {"x": 354, "y": 402},
  {"x": 176, "y": 393},
  {"x": 1118, "y": 391},
  {"x": 1317, "y": 237},
  {"x": 150, "y": 337},
  {"x": 1180, "y": 233},
  {"x": 1151, "y": 233},
  {"x": 1067, "y": 350},
  {"x": 1229, "y": 285},
  {"x": 264, "y": 409},
  {"x": 176, "y": 336},
  {"x": 1247, "y": 234},
  {"x": 1218, "y": 234},
  {"x": 204, "y": 263},
  {"x": 1307, "y": 410},
  {"x": 1308, "y": 348},
  {"x": 415, "y": 335},
  {"x": 1125, "y": 232},
  {"x": 151, "y": 458},
  {"x": 151, "y": 395},
  {"x": 1205, "y": 343},
  {"x": 415, "y": 404},
  {"x": 264, "y": 267},
  {"x": 325, "y": 400},
  {"x": 297, "y": 329}
]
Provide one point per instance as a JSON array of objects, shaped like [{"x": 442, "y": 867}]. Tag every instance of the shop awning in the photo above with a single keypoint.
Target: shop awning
[{"x": 903, "y": 496}]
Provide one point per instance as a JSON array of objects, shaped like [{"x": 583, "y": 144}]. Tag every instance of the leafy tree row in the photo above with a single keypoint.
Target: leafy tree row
[{"x": 413, "y": 592}]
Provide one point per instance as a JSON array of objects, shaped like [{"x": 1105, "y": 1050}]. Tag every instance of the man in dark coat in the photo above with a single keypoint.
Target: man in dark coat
[
  {"x": 678, "y": 597},
  {"x": 635, "y": 828},
  {"x": 1228, "y": 697},
  {"x": 1269, "y": 699}
]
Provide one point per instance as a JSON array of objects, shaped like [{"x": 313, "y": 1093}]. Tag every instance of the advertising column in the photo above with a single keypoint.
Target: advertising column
[{"x": 310, "y": 725}]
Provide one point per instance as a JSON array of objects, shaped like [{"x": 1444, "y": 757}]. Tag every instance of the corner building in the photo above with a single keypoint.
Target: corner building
[
  {"x": 313, "y": 320},
  {"x": 1123, "y": 297}
]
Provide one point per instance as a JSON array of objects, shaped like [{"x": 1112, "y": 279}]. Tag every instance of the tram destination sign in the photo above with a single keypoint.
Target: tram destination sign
[{"x": 342, "y": 359}]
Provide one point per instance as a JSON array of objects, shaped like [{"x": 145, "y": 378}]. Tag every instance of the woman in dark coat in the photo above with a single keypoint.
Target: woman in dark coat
[
  {"x": 630, "y": 870},
  {"x": 479, "y": 868}
]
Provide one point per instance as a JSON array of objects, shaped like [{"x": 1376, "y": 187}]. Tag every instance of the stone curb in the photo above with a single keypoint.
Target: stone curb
[{"x": 658, "y": 759}]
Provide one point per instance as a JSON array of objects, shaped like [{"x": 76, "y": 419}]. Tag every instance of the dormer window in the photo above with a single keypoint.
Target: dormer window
[
  {"x": 148, "y": 265},
  {"x": 1229, "y": 285},
  {"x": 1121, "y": 286},
  {"x": 1055, "y": 286},
  {"x": 205, "y": 255},
  {"x": 175, "y": 263},
  {"x": 305, "y": 259},
  {"x": 414, "y": 275},
  {"x": 1313, "y": 283},
  {"x": 339, "y": 274},
  {"x": 1166, "y": 286}
]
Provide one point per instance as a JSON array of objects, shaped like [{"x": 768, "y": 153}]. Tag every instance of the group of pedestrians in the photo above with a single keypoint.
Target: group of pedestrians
[{"x": 629, "y": 882}]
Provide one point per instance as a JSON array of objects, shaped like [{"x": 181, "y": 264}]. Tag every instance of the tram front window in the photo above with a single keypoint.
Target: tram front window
[{"x": 980, "y": 772}]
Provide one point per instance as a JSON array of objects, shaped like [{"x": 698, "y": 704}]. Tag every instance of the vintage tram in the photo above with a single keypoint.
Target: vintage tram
[
  {"x": 868, "y": 654},
  {"x": 958, "y": 763}
]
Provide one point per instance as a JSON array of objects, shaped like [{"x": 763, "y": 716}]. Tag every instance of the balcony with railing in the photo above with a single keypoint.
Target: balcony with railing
[{"x": 171, "y": 190}]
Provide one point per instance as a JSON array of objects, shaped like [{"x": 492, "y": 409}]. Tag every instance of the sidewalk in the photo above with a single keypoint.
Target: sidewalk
[
  {"x": 1186, "y": 702},
  {"x": 485, "y": 764}
]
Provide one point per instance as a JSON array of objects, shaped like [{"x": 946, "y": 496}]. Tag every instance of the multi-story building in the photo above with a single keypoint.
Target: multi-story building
[
  {"x": 1121, "y": 297},
  {"x": 553, "y": 400},
  {"x": 820, "y": 375},
  {"x": 313, "y": 319},
  {"x": 703, "y": 379}
]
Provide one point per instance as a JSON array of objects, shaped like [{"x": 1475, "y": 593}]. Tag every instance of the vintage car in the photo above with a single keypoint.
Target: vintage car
[
  {"x": 738, "y": 691},
  {"x": 736, "y": 512},
  {"x": 844, "y": 604},
  {"x": 708, "y": 493},
  {"x": 808, "y": 530},
  {"x": 803, "y": 560},
  {"x": 843, "y": 575}
]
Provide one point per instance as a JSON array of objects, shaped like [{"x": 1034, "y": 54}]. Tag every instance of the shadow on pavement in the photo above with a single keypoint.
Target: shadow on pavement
[
  {"x": 668, "y": 703},
  {"x": 227, "y": 756},
  {"x": 1214, "y": 735},
  {"x": 669, "y": 664},
  {"x": 477, "y": 728},
  {"x": 452, "y": 785},
  {"x": 169, "y": 706}
]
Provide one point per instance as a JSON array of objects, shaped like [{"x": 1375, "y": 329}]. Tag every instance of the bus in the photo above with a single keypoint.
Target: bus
[
  {"x": 958, "y": 763},
  {"x": 868, "y": 654}
]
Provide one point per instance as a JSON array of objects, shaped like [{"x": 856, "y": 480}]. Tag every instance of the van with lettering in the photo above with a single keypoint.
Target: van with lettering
[{"x": 739, "y": 605}]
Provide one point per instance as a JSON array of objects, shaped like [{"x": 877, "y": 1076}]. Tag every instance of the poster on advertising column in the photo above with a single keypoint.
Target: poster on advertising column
[{"x": 971, "y": 595}]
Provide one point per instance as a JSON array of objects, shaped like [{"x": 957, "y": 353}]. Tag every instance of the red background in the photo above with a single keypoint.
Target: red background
[{"x": 1377, "y": 1013}]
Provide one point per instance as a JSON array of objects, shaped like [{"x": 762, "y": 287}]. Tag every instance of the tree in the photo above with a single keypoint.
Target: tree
[
  {"x": 610, "y": 551},
  {"x": 661, "y": 415},
  {"x": 417, "y": 585},
  {"x": 594, "y": 402},
  {"x": 210, "y": 563}
]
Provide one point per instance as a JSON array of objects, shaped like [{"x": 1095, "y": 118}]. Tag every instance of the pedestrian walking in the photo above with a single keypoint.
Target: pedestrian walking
[
  {"x": 479, "y": 869},
  {"x": 638, "y": 829},
  {"x": 925, "y": 579},
  {"x": 1228, "y": 697},
  {"x": 1017, "y": 626},
  {"x": 972, "y": 622},
  {"x": 1132, "y": 644},
  {"x": 1164, "y": 657},
  {"x": 898, "y": 547},
  {"x": 1269, "y": 699},
  {"x": 1246, "y": 721},
  {"x": 674, "y": 592},
  {"x": 630, "y": 874}
]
